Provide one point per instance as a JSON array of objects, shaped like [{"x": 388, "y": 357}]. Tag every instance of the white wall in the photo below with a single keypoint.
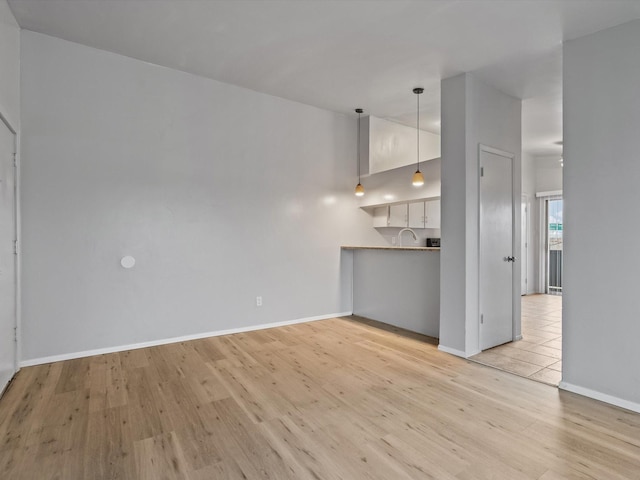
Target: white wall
[
  {"x": 9, "y": 66},
  {"x": 473, "y": 113},
  {"x": 548, "y": 173},
  {"x": 601, "y": 313},
  {"x": 453, "y": 260},
  {"x": 220, "y": 193}
]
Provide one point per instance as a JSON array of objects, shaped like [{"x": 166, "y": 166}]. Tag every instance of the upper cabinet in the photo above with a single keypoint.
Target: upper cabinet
[
  {"x": 432, "y": 214},
  {"x": 398, "y": 215},
  {"x": 381, "y": 216},
  {"x": 416, "y": 214},
  {"x": 425, "y": 214}
]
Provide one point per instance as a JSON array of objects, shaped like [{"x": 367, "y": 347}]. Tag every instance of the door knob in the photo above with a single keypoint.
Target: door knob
[{"x": 511, "y": 259}]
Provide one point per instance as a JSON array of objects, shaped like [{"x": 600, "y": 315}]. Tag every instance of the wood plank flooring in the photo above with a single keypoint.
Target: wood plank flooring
[
  {"x": 334, "y": 399},
  {"x": 538, "y": 356}
]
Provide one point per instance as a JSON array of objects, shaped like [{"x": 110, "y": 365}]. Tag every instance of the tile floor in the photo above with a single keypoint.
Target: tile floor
[{"x": 538, "y": 355}]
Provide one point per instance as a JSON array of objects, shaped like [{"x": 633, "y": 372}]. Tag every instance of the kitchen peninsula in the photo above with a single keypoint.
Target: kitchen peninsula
[{"x": 397, "y": 285}]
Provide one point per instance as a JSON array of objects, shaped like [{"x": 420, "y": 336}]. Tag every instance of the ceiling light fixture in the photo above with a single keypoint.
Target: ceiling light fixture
[
  {"x": 418, "y": 177},
  {"x": 359, "y": 188}
]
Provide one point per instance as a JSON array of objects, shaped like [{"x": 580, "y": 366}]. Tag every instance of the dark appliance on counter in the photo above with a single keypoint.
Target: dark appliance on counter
[{"x": 433, "y": 242}]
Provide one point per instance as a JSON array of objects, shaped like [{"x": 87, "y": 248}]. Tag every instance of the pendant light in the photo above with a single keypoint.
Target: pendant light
[
  {"x": 359, "y": 188},
  {"x": 418, "y": 178}
]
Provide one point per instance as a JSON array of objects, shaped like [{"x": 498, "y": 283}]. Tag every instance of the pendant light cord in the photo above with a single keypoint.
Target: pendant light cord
[
  {"x": 359, "y": 113},
  {"x": 418, "y": 131}
]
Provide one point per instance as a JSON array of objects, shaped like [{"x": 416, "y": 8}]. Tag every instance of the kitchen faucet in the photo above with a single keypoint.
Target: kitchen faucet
[{"x": 415, "y": 237}]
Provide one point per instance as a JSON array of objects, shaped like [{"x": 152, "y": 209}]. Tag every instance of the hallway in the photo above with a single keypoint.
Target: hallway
[{"x": 538, "y": 355}]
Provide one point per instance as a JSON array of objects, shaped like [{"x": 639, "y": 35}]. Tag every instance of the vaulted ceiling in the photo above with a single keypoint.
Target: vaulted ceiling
[{"x": 342, "y": 54}]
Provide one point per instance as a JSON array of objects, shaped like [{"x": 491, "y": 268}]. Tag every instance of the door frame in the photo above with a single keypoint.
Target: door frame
[
  {"x": 547, "y": 251},
  {"x": 515, "y": 204},
  {"x": 18, "y": 257},
  {"x": 524, "y": 262}
]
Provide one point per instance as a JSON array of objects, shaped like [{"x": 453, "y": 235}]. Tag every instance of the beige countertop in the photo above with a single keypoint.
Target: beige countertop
[{"x": 427, "y": 249}]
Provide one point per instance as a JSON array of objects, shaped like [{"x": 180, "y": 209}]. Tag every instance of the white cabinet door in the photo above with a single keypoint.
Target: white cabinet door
[
  {"x": 416, "y": 215},
  {"x": 432, "y": 214},
  {"x": 398, "y": 215},
  {"x": 381, "y": 216}
]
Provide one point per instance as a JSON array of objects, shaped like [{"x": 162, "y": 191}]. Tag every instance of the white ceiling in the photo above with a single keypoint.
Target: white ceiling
[{"x": 342, "y": 54}]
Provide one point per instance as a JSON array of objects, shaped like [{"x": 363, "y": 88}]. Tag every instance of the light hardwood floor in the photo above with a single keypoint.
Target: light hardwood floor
[
  {"x": 538, "y": 355},
  {"x": 333, "y": 399}
]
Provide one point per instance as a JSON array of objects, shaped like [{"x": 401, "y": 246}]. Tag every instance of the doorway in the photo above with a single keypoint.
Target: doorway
[
  {"x": 538, "y": 356},
  {"x": 496, "y": 248},
  {"x": 8, "y": 236}
]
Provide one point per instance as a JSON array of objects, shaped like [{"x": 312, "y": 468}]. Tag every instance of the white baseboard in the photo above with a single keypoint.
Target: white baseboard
[
  {"x": 164, "y": 341},
  {"x": 603, "y": 397},
  {"x": 452, "y": 351}
]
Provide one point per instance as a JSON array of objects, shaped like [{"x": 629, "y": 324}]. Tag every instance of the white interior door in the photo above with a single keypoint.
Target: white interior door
[
  {"x": 496, "y": 249},
  {"x": 7, "y": 257}
]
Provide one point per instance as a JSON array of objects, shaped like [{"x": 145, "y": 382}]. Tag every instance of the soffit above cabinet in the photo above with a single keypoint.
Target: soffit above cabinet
[
  {"x": 387, "y": 145},
  {"x": 394, "y": 186}
]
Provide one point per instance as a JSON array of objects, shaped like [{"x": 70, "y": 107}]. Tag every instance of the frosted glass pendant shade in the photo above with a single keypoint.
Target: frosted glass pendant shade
[
  {"x": 418, "y": 179},
  {"x": 359, "y": 190}
]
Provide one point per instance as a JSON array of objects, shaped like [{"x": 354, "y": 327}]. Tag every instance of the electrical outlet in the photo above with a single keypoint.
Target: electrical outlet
[
  {"x": 393, "y": 240},
  {"x": 258, "y": 301}
]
